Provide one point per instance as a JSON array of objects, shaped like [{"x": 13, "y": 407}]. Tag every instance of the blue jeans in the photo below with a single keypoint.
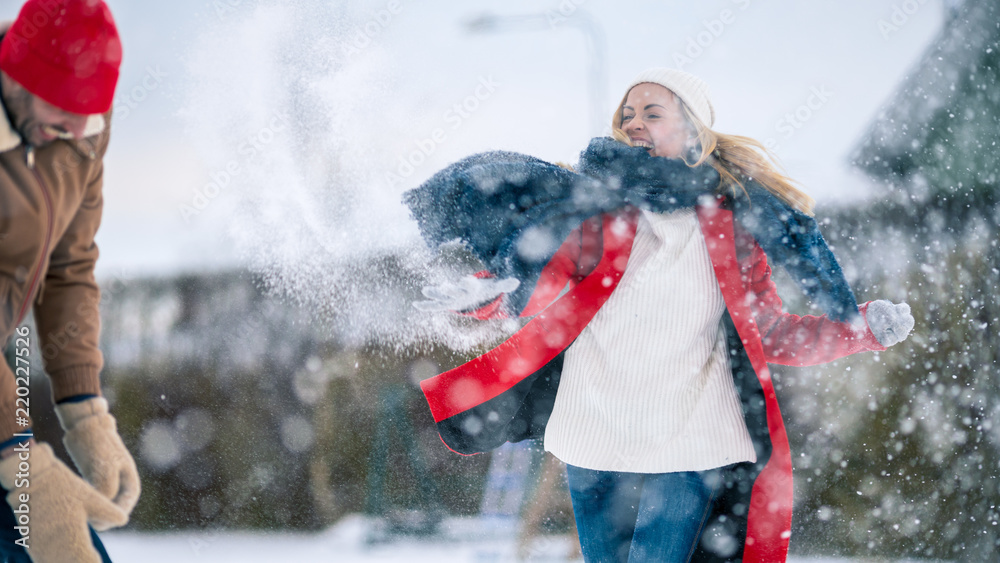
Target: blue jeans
[{"x": 639, "y": 517}]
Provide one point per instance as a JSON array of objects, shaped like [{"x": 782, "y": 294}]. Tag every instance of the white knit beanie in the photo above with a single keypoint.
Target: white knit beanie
[{"x": 688, "y": 87}]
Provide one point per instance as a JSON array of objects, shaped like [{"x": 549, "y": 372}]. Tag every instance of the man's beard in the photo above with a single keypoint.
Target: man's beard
[{"x": 18, "y": 105}]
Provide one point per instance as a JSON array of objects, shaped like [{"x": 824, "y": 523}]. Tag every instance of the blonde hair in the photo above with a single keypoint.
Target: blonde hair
[{"x": 735, "y": 158}]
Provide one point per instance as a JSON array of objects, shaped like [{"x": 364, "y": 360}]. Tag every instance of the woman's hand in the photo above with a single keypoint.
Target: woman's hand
[
  {"x": 890, "y": 324},
  {"x": 468, "y": 293}
]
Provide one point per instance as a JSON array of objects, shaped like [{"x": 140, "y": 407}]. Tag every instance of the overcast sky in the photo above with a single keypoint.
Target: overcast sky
[{"x": 830, "y": 65}]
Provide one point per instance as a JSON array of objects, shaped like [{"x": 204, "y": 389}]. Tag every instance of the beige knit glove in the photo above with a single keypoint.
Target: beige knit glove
[
  {"x": 58, "y": 505},
  {"x": 93, "y": 443}
]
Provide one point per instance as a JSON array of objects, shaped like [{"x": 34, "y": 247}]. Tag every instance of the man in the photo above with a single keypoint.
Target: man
[{"x": 58, "y": 70}]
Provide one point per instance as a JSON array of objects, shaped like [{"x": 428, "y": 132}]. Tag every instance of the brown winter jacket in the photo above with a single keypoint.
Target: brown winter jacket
[{"x": 50, "y": 208}]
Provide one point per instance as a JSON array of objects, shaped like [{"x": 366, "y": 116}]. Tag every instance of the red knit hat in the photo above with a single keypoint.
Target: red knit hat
[{"x": 66, "y": 52}]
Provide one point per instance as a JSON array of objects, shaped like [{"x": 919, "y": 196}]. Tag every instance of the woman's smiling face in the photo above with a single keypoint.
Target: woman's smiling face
[{"x": 652, "y": 118}]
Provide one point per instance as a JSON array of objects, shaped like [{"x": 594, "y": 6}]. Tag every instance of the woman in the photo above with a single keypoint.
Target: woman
[{"x": 644, "y": 366}]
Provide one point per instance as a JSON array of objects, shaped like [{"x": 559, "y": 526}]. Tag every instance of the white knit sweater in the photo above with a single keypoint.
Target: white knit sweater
[{"x": 647, "y": 386}]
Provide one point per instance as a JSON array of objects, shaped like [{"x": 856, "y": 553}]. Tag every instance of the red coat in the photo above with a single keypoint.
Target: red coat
[{"x": 507, "y": 393}]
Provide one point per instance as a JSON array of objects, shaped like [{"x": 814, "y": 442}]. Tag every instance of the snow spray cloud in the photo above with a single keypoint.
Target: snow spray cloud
[{"x": 308, "y": 207}]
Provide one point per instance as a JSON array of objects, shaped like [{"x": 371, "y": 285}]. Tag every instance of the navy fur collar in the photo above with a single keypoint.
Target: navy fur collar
[{"x": 512, "y": 211}]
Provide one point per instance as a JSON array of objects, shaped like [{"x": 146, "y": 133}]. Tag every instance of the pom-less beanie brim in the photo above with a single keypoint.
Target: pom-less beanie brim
[{"x": 689, "y": 88}]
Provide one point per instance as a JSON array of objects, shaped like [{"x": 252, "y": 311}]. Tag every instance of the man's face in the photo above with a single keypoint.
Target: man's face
[{"x": 38, "y": 121}]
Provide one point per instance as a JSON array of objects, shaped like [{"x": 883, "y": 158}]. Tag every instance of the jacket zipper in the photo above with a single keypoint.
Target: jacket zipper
[{"x": 29, "y": 154}]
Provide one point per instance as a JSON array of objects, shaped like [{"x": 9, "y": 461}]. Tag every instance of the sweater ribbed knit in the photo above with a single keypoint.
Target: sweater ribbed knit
[{"x": 647, "y": 386}]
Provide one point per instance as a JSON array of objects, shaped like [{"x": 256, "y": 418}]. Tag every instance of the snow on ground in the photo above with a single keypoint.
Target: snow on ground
[{"x": 461, "y": 540}]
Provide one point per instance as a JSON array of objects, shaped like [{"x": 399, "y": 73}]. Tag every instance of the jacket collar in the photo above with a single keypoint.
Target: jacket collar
[{"x": 9, "y": 138}]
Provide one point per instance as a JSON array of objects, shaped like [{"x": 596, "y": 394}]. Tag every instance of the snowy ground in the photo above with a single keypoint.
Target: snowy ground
[{"x": 462, "y": 540}]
